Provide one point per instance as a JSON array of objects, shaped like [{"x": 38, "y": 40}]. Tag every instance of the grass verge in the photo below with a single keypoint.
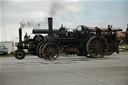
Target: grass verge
[
  {"x": 124, "y": 48},
  {"x": 12, "y": 55}
]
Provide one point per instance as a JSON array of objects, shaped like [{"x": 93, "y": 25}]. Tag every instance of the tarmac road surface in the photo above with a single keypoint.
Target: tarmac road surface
[{"x": 66, "y": 70}]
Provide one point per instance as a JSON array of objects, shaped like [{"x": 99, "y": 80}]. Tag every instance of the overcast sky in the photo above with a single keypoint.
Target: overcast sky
[{"x": 70, "y": 13}]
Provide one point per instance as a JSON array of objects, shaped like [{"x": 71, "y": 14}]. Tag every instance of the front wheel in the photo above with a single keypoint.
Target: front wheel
[{"x": 19, "y": 54}]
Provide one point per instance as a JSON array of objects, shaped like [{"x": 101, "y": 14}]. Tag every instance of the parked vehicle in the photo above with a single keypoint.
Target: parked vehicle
[{"x": 3, "y": 50}]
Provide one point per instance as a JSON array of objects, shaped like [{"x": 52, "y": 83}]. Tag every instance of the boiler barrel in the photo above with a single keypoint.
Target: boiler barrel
[{"x": 44, "y": 31}]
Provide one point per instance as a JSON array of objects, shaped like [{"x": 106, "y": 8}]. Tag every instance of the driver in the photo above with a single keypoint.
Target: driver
[
  {"x": 62, "y": 31},
  {"x": 26, "y": 37}
]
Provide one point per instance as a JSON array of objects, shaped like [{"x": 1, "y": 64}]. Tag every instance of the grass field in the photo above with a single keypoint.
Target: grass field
[
  {"x": 124, "y": 48},
  {"x": 124, "y": 45},
  {"x": 10, "y": 55}
]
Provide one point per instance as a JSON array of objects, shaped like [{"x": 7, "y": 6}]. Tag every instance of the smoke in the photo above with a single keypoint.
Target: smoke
[
  {"x": 29, "y": 24},
  {"x": 33, "y": 23},
  {"x": 55, "y": 7},
  {"x": 63, "y": 9}
]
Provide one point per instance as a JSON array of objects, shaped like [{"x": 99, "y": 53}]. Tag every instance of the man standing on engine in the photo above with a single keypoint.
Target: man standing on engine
[
  {"x": 109, "y": 33},
  {"x": 98, "y": 31}
]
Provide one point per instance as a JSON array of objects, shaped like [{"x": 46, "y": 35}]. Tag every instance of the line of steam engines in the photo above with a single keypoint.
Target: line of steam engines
[{"x": 83, "y": 41}]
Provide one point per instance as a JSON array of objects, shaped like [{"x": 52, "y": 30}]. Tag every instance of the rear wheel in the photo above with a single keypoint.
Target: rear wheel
[
  {"x": 50, "y": 51},
  {"x": 97, "y": 47},
  {"x": 19, "y": 54}
]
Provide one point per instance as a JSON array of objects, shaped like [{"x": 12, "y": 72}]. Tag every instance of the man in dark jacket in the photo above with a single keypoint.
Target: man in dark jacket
[
  {"x": 109, "y": 34},
  {"x": 109, "y": 30},
  {"x": 98, "y": 31}
]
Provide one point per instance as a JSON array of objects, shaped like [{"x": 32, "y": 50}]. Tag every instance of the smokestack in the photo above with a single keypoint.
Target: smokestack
[
  {"x": 20, "y": 34},
  {"x": 50, "y": 27}
]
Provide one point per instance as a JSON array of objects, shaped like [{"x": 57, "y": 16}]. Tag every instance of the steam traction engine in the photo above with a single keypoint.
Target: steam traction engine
[{"x": 82, "y": 41}]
